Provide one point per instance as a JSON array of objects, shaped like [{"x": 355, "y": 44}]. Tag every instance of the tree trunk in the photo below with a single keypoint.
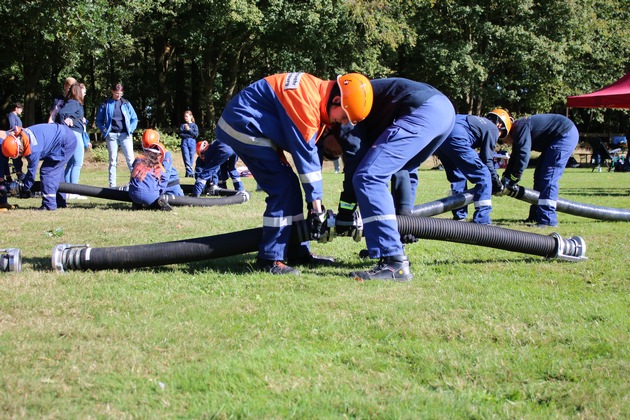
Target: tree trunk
[{"x": 163, "y": 52}]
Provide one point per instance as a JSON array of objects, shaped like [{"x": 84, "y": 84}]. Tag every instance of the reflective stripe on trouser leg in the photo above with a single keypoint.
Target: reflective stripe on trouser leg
[
  {"x": 549, "y": 170},
  {"x": 391, "y": 152},
  {"x": 284, "y": 201}
]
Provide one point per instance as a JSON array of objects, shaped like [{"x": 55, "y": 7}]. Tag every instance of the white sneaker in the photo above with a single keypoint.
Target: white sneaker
[{"x": 75, "y": 197}]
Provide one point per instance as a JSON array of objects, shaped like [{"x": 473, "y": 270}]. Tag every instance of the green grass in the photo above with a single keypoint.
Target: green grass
[{"x": 479, "y": 333}]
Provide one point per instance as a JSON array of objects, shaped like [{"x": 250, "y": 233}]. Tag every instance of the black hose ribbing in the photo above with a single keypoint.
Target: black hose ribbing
[
  {"x": 121, "y": 195},
  {"x": 577, "y": 209},
  {"x": 126, "y": 257},
  {"x": 475, "y": 234},
  {"x": 443, "y": 205}
]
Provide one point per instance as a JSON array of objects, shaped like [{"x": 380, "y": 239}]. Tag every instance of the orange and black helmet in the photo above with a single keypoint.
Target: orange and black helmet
[
  {"x": 503, "y": 116},
  {"x": 356, "y": 96}
]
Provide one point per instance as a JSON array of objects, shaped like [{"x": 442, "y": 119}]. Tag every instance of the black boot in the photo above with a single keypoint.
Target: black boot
[
  {"x": 394, "y": 268},
  {"x": 275, "y": 267}
]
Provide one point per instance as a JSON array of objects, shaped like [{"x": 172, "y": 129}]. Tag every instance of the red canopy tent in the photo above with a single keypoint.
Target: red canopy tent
[{"x": 616, "y": 95}]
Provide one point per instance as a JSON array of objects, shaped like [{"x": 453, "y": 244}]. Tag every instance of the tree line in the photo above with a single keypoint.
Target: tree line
[{"x": 525, "y": 56}]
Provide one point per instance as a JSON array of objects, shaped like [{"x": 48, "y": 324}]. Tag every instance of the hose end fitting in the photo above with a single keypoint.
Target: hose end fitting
[
  {"x": 572, "y": 249},
  {"x": 10, "y": 259},
  {"x": 66, "y": 256}
]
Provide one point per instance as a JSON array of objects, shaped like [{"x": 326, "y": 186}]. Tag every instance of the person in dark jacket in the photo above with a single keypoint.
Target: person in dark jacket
[
  {"x": 556, "y": 137},
  {"x": 409, "y": 120},
  {"x": 462, "y": 162}
]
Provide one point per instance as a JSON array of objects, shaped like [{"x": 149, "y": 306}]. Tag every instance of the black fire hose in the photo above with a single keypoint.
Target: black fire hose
[
  {"x": 10, "y": 259},
  {"x": 82, "y": 257},
  {"x": 576, "y": 209},
  {"x": 553, "y": 246},
  {"x": 122, "y": 195},
  {"x": 443, "y": 205},
  {"x": 188, "y": 189}
]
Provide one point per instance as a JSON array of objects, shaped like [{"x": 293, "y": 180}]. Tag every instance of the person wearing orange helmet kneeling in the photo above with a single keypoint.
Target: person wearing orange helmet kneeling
[
  {"x": 53, "y": 145},
  {"x": 153, "y": 175},
  {"x": 288, "y": 112}
]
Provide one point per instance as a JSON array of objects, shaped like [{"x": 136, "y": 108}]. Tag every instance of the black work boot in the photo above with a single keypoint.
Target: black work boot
[
  {"x": 275, "y": 267},
  {"x": 311, "y": 260},
  {"x": 161, "y": 204},
  {"x": 394, "y": 268}
]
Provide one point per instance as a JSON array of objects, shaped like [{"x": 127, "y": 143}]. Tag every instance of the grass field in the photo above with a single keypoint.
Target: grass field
[{"x": 478, "y": 333}]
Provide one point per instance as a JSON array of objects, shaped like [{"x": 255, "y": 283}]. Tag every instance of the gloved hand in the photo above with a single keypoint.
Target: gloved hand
[
  {"x": 408, "y": 238},
  {"x": 508, "y": 185},
  {"x": 317, "y": 223},
  {"x": 497, "y": 186},
  {"x": 347, "y": 219}
]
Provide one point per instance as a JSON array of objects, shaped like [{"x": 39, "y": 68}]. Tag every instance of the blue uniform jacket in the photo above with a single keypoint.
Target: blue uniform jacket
[
  {"x": 192, "y": 133},
  {"x": 393, "y": 98},
  {"x": 106, "y": 112},
  {"x": 484, "y": 136},
  {"x": 47, "y": 142},
  {"x": 14, "y": 120},
  {"x": 536, "y": 132},
  {"x": 73, "y": 110}
]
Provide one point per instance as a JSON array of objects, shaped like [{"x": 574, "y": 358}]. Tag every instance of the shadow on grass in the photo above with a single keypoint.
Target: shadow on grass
[{"x": 619, "y": 191}]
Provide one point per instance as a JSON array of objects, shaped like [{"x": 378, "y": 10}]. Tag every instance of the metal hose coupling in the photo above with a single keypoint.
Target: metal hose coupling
[
  {"x": 10, "y": 259},
  {"x": 66, "y": 256},
  {"x": 572, "y": 249}
]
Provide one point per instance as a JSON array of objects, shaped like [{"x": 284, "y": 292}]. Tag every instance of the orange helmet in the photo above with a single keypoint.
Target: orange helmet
[
  {"x": 150, "y": 137},
  {"x": 202, "y": 146},
  {"x": 356, "y": 96},
  {"x": 156, "y": 148},
  {"x": 16, "y": 144},
  {"x": 503, "y": 116}
]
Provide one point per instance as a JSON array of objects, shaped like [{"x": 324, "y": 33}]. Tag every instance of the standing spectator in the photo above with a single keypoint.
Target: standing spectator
[
  {"x": 556, "y": 137},
  {"x": 209, "y": 163},
  {"x": 14, "y": 121},
  {"x": 408, "y": 122},
  {"x": 72, "y": 115},
  {"x": 53, "y": 145},
  {"x": 13, "y": 117},
  {"x": 462, "y": 162},
  {"x": 287, "y": 112},
  {"x": 189, "y": 133},
  {"x": 117, "y": 121},
  {"x": 59, "y": 101}
]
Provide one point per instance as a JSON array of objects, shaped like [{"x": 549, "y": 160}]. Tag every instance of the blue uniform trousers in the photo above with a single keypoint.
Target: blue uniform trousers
[
  {"x": 549, "y": 169},
  {"x": 461, "y": 162},
  {"x": 51, "y": 173},
  {"x": 189, "y": 149},
  {"x": 284, "y": 201},
  {"x": 405, "y": 144}
]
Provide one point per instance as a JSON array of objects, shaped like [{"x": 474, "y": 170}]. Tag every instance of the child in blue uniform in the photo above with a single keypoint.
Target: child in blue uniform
[
  {"x": 188, "y": 132},
  {"x": 408, "y": 122},
  {"x": 462, "y": 162},
  {"x": 556, "y": 137},
  {"x": 53, "y": 145},
  {"x": 288, "y": 112},
  {"x": 153, "y": 175},
  {"x": 211, "y": 158}
]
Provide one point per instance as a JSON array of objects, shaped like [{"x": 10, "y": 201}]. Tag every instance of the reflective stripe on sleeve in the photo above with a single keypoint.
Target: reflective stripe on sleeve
[
  {"x": 244, "y": 138},
  {"x": 311, "y": 177}
]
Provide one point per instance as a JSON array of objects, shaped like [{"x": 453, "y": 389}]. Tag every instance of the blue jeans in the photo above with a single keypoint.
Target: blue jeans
[
  {"x": 114, "y": 140},
  {"x": 73, "y": 168},
  {"x": 189, "y": 148}
]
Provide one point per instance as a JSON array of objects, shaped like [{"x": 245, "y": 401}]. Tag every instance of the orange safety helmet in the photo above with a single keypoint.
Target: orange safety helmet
[
  {"x": 16, "y": 144},
  {"x": 202, "y": 146},
  {"x": 356, "y": 96},
  {"x": 156, "y": 148},
  {"x": 503, "y": 116},
  {"x": 149, "y": 137}
]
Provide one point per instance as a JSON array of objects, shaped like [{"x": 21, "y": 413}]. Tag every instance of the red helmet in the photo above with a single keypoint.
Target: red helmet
[
  {"x": 16, "y": 144},
  {"x": 150, "y": 137},
  {"x": 156, "y": 148},
  {"x": 202, "y": 146},
  {"x": 356, "y": 96}
]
